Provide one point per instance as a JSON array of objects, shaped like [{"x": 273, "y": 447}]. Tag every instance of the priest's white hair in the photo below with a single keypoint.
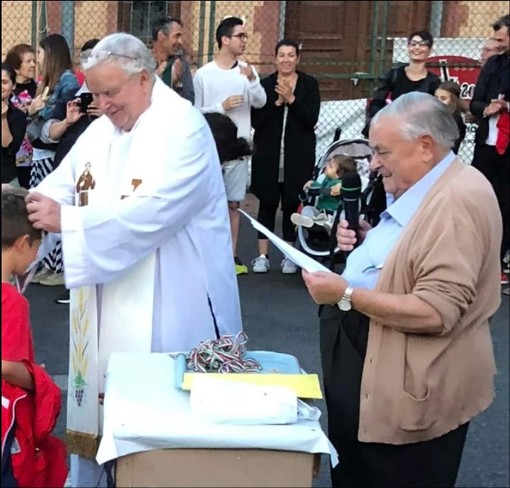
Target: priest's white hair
[{"x": 125, "y": 50}]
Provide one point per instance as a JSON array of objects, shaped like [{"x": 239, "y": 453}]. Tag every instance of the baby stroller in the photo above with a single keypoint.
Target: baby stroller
[{"x": 315, "y": 240}]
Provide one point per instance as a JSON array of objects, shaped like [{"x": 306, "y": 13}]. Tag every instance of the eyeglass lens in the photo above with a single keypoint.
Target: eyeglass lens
[{"x": 419, "y": 43}]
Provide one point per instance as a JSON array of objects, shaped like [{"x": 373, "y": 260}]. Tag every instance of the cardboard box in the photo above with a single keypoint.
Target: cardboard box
[{"x": 217, "y": 468}]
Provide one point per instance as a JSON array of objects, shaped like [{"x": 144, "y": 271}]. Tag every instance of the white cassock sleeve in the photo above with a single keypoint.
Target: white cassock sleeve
[
  {"x": 100, "y": 242},
  {"x": 62, "y": 193}
]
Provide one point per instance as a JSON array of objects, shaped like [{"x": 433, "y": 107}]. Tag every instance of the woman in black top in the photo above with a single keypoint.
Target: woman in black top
[
  {"x": 21, "y": 58},
  {"x": 396, "y": 82},
  {"x": 407, "y": 78},
  {"x": 14, "y": 125},
  {"x": 283, "y": 147}
]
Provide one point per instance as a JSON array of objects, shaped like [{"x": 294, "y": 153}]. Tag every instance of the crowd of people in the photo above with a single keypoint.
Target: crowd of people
[{"x": 412, "y": 310}]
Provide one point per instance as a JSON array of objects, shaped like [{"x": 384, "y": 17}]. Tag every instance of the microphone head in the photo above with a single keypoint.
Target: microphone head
[{"x": 351, "y": 185}]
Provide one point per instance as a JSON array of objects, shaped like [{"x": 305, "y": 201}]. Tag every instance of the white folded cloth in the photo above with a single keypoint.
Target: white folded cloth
[{"x": 222, "y": 401}]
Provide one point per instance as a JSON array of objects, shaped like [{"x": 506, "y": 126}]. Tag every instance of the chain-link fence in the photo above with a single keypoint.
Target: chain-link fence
[{"x": 346, "y": 45}]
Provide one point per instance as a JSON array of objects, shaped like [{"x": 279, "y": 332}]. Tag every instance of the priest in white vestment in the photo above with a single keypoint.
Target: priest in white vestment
[{"x": 147, "y": 249}]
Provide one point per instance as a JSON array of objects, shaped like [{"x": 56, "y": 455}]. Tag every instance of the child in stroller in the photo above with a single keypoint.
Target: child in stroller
[{"x": 326, "y": 192}]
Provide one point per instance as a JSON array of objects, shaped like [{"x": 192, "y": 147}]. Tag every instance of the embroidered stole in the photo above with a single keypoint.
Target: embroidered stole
[{"x": 115, "y": 316}]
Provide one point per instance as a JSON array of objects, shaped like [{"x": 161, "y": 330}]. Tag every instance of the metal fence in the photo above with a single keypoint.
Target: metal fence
[{"x": 346, "y": 45}]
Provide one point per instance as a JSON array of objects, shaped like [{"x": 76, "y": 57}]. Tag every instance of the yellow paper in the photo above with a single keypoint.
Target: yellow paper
[{"x": 305, "y": 385}]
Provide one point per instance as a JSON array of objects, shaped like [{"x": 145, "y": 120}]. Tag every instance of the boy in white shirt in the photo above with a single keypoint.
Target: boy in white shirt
[{"x": 230, "y": 86}]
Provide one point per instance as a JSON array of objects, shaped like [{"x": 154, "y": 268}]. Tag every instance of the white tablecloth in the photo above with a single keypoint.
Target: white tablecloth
[{"x": 144, "y": 409}]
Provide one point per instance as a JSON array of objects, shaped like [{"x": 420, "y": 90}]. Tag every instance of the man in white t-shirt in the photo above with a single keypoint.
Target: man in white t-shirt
[{"x": 230, "y": 86}]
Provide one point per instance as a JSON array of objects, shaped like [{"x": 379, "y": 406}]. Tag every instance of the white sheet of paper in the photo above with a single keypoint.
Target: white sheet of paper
[{"x": 302, "y": 260}]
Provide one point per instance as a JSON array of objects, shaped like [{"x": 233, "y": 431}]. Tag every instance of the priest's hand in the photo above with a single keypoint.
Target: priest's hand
[{"x": 43, "y": 212}]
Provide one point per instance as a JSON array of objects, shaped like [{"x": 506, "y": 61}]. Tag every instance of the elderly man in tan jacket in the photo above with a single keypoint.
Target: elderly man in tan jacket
[{"x": 407, "y": 353}]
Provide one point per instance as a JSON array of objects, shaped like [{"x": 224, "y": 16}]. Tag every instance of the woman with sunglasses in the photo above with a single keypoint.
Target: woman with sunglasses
[{"x": 407, "y": 78}]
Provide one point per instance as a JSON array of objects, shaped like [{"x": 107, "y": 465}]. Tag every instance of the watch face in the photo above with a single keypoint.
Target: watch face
[{"x": 344, "y": 305}]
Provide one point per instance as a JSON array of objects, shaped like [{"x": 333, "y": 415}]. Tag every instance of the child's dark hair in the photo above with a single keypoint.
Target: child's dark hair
[
  {"x": 15, "y": 223},
  {"x": 343, "y": 163},
  {"x": 224, "y": 131},
  {"x": 454, "y": 90}
]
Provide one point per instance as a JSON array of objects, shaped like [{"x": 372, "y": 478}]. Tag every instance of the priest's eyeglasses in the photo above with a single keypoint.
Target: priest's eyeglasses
[{"x": 103, "y": 55}]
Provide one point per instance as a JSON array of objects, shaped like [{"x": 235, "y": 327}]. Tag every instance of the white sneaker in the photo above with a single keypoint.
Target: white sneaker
[
  {"x": 301, "y": 220},
  {"x": 288, "y": 266},
  {"x": 260, "y": 264}
]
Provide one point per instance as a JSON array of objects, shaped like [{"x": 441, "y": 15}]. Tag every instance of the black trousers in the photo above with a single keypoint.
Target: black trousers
[
  {"x": 267, "y": 217},
  {"x": 428, "y": 464},
  {"x": 23, "y": 173},
  {"x": 496, "y": 168}
]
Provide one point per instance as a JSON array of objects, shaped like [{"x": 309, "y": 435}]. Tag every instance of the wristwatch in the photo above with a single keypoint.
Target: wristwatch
[{"x": 345, "y": 302}]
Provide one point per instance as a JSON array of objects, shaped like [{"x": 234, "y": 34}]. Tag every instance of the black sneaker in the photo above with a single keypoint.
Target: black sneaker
[{"x": 63, "y": 298}]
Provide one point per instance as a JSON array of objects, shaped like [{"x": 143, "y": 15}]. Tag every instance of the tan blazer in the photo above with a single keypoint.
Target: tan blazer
[{"x": 419, "y": 384}]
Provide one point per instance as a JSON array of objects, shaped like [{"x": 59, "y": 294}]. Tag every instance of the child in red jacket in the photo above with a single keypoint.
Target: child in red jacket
[{"x": 30, "y": 399}]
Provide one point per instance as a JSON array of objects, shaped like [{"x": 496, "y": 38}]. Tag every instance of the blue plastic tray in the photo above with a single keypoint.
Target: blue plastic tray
[{"x": 270, "y": 362}]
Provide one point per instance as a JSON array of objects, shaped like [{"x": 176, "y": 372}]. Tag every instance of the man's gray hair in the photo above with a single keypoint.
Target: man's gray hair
[
  {"x": 125, "y": 50},
  {"x": 422, "y": 114}
]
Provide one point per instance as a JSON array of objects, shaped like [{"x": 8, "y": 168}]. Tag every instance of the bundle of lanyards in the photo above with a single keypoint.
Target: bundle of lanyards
[{"x": 223, "y": 355}]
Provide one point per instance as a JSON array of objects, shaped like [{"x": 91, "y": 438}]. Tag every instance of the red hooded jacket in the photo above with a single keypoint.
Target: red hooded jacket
[{"x": 38, "y": 458}]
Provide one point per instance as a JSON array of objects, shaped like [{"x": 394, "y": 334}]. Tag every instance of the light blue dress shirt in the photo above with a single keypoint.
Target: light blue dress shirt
[{"x": 364, "y": 264}]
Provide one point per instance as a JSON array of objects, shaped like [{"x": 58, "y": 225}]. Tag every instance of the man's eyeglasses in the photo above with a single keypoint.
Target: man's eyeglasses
[
  {"x": 241, "y": 36},
  {"x": 419, "y": 44}
]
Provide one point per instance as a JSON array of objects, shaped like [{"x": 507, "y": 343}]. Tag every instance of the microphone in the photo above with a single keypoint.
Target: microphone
[
  {"x": 350, "y": 201},
  {"x": 351, "y": 193}
]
